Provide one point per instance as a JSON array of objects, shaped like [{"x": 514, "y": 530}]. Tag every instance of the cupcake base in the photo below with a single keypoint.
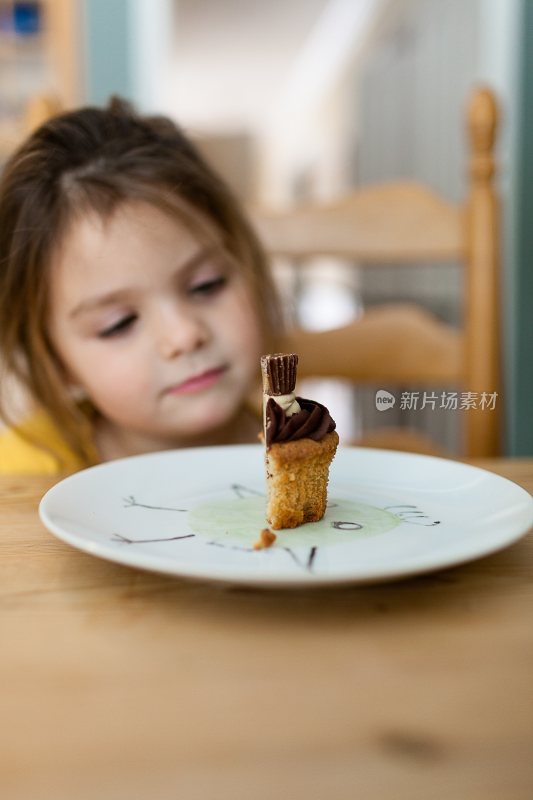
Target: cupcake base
[{"x": 297, "y": 480}]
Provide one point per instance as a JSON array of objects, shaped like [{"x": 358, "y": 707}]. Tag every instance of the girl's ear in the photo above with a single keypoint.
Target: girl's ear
[
  {"x": 77, "y": 392},
  {"x": 74, "y": 389}
]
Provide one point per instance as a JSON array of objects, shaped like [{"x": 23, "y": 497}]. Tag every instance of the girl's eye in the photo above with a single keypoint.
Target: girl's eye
[
  {"x": 206, "y": 288},
  {"x": 119, "y": 327}
]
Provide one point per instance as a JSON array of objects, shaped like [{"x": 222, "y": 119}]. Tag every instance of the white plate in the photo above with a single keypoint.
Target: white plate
[{"x": 197, "y": 512}]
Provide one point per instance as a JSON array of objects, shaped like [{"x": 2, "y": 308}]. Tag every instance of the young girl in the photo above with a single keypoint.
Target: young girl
[{"x": 135, "y": 300}]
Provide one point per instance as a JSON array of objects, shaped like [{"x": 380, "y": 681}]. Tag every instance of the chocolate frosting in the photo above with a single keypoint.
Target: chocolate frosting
[{"x": 312, "y": 422}]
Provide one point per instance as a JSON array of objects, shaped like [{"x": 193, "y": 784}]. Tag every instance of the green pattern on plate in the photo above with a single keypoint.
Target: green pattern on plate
[{"x": 238, "y": 521}]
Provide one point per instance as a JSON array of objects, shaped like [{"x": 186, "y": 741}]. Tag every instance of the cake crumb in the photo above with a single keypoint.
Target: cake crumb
[{"x": 266, "y": 539}]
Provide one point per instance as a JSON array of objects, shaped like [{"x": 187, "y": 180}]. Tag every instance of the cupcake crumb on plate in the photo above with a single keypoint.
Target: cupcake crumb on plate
[{"x": 266, "y": 539}]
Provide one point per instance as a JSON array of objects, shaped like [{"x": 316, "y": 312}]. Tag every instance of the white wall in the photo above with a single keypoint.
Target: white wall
[{"x": 152, "y": 31}]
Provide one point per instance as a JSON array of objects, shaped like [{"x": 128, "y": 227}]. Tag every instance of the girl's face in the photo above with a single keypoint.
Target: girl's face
[{"x": 158, "y": 328}]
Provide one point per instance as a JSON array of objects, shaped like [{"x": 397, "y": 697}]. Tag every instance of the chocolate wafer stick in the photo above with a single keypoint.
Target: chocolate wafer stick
[{"x": 279, "y": 373}]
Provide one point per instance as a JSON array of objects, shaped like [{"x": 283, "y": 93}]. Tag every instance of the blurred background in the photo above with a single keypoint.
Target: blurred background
[{"x": 298, "y": 100}]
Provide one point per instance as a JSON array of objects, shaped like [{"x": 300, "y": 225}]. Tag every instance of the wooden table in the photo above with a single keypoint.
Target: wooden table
[{"x": 118, "y": 684}]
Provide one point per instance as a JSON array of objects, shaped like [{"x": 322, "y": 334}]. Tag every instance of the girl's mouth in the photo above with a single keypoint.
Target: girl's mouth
[{"x": 198, "y": 382}]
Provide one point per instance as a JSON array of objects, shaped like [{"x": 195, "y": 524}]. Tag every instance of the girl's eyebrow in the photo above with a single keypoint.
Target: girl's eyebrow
[{"x": 93, "y": 303}]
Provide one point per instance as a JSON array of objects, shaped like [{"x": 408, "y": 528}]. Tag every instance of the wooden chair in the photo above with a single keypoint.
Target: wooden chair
[{"x": 403, "y": 344}]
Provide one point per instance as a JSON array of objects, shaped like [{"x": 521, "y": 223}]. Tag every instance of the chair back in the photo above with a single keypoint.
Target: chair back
[{"x": 408, "y": 223}]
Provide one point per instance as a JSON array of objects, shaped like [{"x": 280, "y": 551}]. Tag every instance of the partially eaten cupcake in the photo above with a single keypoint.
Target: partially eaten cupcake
[{"x": 300, "y": 440}]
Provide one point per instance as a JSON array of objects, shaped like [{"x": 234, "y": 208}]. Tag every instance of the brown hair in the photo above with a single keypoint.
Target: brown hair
[{"x": 93, "y": 159}]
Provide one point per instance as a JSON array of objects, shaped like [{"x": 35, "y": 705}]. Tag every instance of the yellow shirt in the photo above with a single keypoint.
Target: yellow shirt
[{"x": 21, "y": 457}]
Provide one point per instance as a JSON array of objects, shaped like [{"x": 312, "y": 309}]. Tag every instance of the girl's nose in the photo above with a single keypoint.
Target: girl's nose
[{"x": 180, "y": 333}]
